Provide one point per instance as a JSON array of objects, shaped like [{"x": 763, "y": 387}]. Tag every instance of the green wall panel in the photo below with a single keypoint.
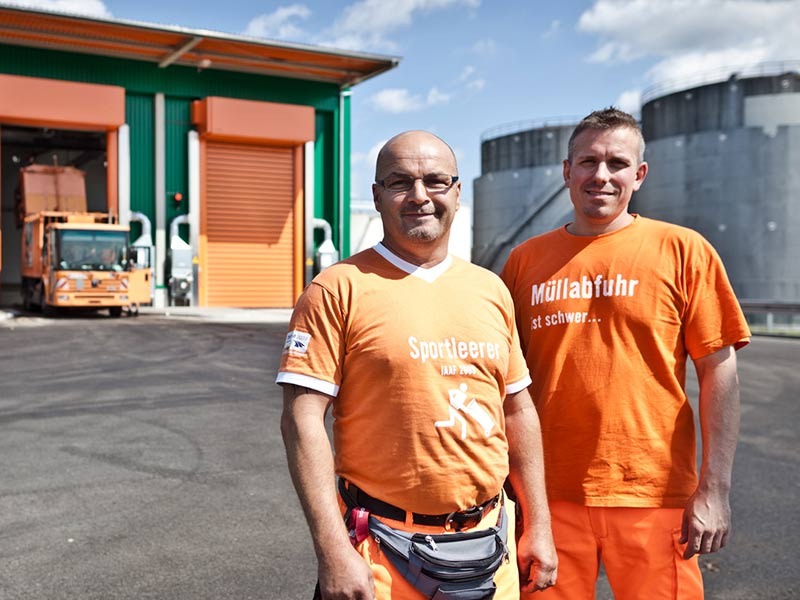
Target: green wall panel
[
  {"x": 148, "y": 78},
  {"x": 139, "y": 117},
  {"x": 181, "y": 85},
  {"x": 178, "y": 123},
  {"x": 345, "y": 158},
  {"x": 325, "y": 175}
]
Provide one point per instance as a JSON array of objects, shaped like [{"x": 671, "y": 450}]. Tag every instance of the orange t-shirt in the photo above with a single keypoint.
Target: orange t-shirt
[
  {"x": 419, "y": 362},
  {"x": 606, "y": 324}
]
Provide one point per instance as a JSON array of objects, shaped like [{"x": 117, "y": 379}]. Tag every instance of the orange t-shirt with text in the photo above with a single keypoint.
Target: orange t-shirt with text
[
  {"x": 606, "y": 324},
  {"x": 419, "y": 362}
]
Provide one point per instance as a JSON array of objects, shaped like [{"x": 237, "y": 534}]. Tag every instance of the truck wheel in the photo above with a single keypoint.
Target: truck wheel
[{"x": 115, "y": 311}]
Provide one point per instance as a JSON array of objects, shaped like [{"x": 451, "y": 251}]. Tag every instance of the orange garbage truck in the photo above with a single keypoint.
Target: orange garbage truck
[{"x": 72, "y": 258}]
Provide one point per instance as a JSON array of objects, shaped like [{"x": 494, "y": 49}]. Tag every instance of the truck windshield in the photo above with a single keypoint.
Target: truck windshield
[{"x": 89, "y": 250}]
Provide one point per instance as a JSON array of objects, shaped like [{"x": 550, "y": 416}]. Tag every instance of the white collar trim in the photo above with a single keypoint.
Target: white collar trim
[{"x": 429, "y": 275}]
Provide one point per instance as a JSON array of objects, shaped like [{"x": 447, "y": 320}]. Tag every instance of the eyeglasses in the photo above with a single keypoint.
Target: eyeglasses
[{"x": 434, "y": 182}]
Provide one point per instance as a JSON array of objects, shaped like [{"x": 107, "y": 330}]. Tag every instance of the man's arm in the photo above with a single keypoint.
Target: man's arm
[
  {"x": 343, "y": 573},
  {"x": 536, "y": 553},
  {"x": 707, "y": 517}
]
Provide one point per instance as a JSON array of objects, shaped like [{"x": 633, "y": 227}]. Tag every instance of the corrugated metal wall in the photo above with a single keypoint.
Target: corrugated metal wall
[
  {"x": 139, "y": 116},
  {"x": 178, "y": 122},
  {"x": 248, "y": 223},
  {"x": 179, "y": 85}
]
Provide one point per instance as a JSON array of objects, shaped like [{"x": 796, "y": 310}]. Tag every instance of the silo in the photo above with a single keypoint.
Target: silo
[
  {"x": 520, "y": 192},
  {"x": 724, "y": 160}
]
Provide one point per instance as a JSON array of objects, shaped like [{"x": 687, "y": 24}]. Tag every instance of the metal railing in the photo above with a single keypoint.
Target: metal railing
[
  {"x": 526, "y": 125},
  {"x": 719, "y": 75},
  {"x": 771, "y": 308}
]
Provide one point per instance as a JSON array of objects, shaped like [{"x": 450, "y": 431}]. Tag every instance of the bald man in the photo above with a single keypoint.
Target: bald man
[{"x": 417, "y": 353}]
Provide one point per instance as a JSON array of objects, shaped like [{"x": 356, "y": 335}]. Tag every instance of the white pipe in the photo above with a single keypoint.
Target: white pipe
[
  {"x": 194, "y": 210},
  {"x": 147, "y": 228},
  {"x": 176, "y": 222},
  {"x": 194, "y": 192},
  {"x": 326, "y": 228},
  {"x": 159, "y": 136},
  {"x": 308, "y": 195},
  {"x": 342, "y": 95},
  {"x": 124, "y": 174}
]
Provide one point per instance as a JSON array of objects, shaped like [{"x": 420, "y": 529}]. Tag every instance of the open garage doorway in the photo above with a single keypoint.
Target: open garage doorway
[{"x": 24, "y": 146}]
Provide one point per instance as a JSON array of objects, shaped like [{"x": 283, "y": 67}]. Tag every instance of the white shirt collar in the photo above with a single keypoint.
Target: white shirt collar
[{"x": 429, "y": 275}]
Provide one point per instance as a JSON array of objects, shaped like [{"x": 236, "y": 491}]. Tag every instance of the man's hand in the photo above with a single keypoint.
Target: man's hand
[
  {"x": 346, "y": 576},
  {"x": 537, "y": 560},
  {"x": 706, "y": 522}
]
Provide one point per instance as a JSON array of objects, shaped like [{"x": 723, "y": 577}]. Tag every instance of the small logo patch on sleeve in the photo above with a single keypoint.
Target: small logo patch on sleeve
[{"x": 296, "y": 342}]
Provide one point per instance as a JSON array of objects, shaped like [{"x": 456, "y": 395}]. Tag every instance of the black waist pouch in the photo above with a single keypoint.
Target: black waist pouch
[{"x": 448, "y": 566}]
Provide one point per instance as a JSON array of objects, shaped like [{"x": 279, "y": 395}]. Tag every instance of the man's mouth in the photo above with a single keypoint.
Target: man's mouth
[{"x": 600, "y": 193}]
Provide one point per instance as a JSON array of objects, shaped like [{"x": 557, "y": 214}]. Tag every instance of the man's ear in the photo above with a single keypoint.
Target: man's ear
[
  {"x": 376, "y": 196},
  {"x": 641, "y": 173}
]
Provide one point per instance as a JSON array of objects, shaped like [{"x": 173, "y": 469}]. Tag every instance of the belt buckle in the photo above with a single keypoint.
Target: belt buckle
[{"x": 463, "y": 519}]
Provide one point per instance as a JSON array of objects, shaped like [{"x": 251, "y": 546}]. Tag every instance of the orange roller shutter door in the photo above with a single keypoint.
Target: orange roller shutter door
[{"x": 249, "y": 225}]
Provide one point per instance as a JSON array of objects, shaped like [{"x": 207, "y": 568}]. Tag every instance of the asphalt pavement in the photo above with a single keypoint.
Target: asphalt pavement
[{"x": 142, "y": 459}]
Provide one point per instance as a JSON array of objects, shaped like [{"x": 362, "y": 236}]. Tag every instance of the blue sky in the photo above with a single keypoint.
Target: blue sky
[{"x": 469, "y": 66}]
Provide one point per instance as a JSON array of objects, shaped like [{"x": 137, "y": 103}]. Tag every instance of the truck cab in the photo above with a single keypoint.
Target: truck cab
[{"x": 80, "y": 260}]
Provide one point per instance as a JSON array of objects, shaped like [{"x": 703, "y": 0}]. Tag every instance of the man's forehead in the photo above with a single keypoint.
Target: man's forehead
[
  {"x": 620, "y": 140},
  {"x": 406, "y": 162}
]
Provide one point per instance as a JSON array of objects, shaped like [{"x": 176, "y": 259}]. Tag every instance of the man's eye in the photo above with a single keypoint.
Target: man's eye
[
  {"x": 436, "y": 183},
  {"x": 399, "y": 183}
]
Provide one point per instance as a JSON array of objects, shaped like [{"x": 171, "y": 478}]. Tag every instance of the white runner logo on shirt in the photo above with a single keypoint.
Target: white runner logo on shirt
[
  {"x": 458, "y": 403},
  {"x": 296, "y": 342}
]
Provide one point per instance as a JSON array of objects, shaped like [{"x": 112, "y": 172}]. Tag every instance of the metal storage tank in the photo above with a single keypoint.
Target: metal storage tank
[
  {"x": 520, "y": 192},
  {"x": 725, "y": 160}
]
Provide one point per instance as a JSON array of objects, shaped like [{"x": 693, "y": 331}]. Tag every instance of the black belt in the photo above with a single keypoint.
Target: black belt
[{"x": 354, "y": 496}]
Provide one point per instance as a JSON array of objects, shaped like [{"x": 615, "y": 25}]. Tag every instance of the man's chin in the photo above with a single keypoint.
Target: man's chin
[{"x": 423, "y": 234}]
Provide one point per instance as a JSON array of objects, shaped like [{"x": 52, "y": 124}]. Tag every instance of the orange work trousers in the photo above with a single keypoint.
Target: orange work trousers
[
  {"x": 391, "y": 585},
  {"x": 638, "y": 547}
]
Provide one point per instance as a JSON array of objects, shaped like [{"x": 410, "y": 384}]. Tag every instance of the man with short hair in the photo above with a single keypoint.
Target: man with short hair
[
  {"x": 418, "y": 355},
  {"x": 608, "y": 309}
]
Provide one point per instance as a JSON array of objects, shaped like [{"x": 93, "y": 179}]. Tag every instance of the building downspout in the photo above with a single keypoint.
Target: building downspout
[
  {"x": 326, "y": 253},
  {"x": 342, "y": 95},
  {"x": 159, "y": 137},
  {"x": 194, "y": 211},
  {"x": 124, "y": 174}
]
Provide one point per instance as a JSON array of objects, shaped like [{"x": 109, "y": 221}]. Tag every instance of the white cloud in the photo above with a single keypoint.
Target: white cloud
[
  {"x": 691, "y": 36},
  {"x": 476, "y": 85},
  {"x": 685, "y": 65},
  {"x": 94, "y": 8},
  {"x": 362, "y": 25},
  {"x": 630, "y": 101},
  {"x": 362, "y": 169},
  {"x": 400, "y": 100},
  {"x": 435, "y": 96},
  {"x": 552, "y": 30},
  {"x": 280, "y": 24},
  {"x": 485, "y": 47},
  {"x": 396, "y": 100},
  {"x": 369, "y": 24},
  {"x": 466, "y": 74}
]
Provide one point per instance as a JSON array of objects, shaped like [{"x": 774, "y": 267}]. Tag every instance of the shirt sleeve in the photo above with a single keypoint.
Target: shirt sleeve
[
  {"x": 713, "y": 317},
  {"x": 314, "y": 347},
  {"x": 518, "y": 377}
]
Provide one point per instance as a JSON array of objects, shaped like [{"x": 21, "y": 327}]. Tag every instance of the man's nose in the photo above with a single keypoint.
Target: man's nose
[
  {"x": 601, "y": 173},
  {"x": 418, "y": 193}
]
